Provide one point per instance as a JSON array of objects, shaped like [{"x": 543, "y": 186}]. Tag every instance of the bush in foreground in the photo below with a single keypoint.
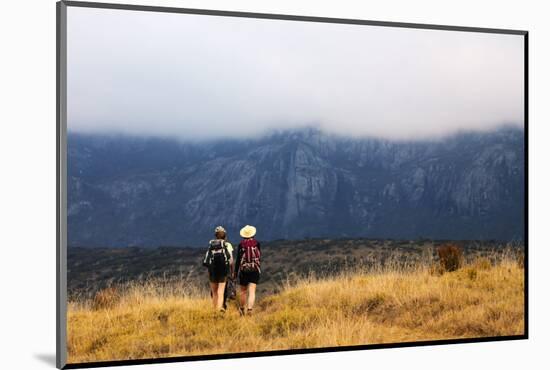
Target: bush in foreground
[{"x": 450, "y": 257}]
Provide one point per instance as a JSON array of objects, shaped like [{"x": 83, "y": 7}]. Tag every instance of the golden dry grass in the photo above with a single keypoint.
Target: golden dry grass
[{"x": 150, "y": 320}]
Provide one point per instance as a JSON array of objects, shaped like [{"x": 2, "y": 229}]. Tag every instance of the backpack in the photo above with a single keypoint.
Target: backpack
[
  {"x": 250, "y": 256},
  {"x": 230, "y": 291},
  {"x": 217, "y": 257}
]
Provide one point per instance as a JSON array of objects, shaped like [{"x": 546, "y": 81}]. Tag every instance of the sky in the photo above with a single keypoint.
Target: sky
[{"x": 202, "y": 77}]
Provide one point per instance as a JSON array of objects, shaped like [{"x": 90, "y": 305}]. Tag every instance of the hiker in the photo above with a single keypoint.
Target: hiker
[
  {"x": 219, "y": 260},
  {"x": 247, "y": 267}
]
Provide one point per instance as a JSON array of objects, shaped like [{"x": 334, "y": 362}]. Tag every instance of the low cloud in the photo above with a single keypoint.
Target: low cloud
[{"x": 195, "y": 77}]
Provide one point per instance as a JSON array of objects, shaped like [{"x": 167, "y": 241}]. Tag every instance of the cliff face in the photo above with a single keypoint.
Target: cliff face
[{"x": 296, "y": 184}]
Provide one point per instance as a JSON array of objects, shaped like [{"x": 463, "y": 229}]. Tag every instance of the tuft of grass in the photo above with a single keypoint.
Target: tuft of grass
[
  {"x": 106, "y": 298},
  {"x": 436, "y": 269},
  {"x": 397, "y": 303},
  {"x": 521, "y": 260},
  {"x": 482, "y": 263}
]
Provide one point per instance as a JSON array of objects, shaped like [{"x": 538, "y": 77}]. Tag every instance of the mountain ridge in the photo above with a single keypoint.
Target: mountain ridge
[{"x": 126, "y": 191}]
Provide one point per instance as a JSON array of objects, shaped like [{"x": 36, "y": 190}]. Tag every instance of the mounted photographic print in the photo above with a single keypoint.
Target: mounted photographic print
[{"x": 238, "y": 184}]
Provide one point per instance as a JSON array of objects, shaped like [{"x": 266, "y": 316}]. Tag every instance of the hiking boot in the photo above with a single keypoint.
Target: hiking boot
[
  {"x": 241, "y": 311},
  {"x": 248, "y": 311}
]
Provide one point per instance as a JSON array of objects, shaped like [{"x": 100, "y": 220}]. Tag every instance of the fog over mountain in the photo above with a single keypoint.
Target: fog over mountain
[
  {"x": 203, "y": 77},
  {"x": 381, "y": 132},
  {"x": 128, "y": 190}
]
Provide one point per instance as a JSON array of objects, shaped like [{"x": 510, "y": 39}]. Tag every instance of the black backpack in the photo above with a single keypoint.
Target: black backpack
[{"x": 217, "y": 257}]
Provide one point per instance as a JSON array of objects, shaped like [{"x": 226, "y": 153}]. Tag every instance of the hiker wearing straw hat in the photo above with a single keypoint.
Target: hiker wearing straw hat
[{"x": 247, "y": 267}]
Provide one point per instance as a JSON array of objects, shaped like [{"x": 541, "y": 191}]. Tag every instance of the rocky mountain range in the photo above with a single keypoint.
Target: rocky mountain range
[{"x": 137, "y": 191}]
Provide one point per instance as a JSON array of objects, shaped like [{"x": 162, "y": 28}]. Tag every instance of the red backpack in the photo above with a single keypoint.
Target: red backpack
[{"x": 250, "y": 255}]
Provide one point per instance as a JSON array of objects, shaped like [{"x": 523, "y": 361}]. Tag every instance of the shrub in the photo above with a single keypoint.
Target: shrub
[
  {"x": 450, "y": 257},
  {"x": 106, "y": 298}
]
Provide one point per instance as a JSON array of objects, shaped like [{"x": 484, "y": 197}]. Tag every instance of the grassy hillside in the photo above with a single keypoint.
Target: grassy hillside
[{"x": 171, "y": 318}]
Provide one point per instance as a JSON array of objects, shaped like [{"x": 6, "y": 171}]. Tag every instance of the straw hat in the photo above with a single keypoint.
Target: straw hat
[{"x": 248, "y": 231}]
